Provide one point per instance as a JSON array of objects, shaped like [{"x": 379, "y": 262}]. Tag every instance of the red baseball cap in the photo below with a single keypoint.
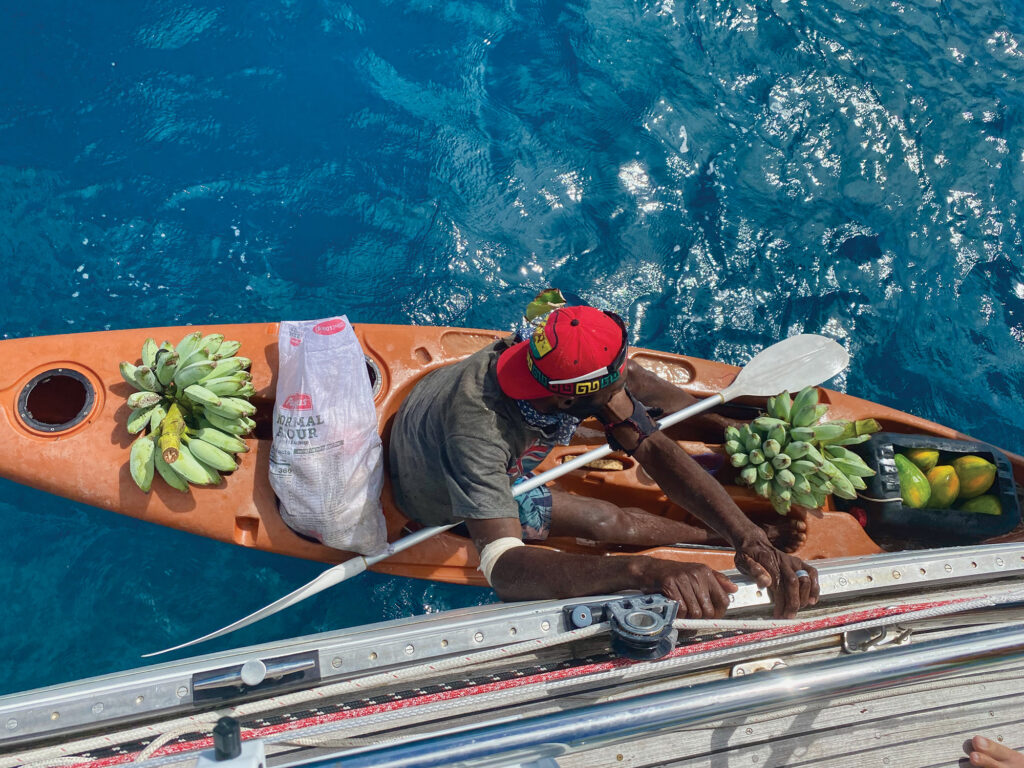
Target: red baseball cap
[{"x": 576, "y": 351}]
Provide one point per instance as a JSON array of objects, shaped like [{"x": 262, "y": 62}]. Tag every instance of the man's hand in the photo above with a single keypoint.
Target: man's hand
[
  {"x": 701, "y": 592},
  {"x": 775, "y": 570}
]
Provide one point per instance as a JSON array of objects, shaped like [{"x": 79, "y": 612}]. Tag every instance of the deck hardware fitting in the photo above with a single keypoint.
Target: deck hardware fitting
[
  {"x": 861, "y": 640},
  {"x": 759, "y": 665}
]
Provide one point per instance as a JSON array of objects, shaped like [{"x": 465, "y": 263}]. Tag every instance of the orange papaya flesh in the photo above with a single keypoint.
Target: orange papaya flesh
[
  {"x": 945, "y": 486},
  {"x": 986, "y": 504},
  {"x": 914, "y": 487},
  {"x": 924, "y": 458},
  {"x": 975, "y": 474}
]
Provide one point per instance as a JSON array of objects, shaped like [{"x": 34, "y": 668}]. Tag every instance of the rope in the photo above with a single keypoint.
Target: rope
[{"x": 163, "y": 739}]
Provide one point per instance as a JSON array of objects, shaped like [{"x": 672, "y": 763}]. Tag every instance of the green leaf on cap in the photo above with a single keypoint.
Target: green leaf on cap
[{"x": 546, "y": 302}]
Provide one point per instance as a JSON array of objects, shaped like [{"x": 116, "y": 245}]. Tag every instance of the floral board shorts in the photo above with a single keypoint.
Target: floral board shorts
[{"x": 534, "y": 511}]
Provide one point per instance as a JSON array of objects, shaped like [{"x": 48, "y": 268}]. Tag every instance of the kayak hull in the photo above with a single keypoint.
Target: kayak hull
[{"x": 74, "y": 444}]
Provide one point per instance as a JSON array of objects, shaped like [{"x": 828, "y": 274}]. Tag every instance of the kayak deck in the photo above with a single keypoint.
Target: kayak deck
[{"x": 66, "y": 436}]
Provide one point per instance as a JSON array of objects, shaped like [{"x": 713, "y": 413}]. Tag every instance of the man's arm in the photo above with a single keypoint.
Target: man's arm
[
  {"x": 689, "y": 486},
  {"x": 533, "y": 573},
  {"x": 655, "y": 392}
]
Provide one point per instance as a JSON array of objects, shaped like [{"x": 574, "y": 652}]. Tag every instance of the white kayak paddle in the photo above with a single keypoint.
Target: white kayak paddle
[{"x": 790, "y": 365}]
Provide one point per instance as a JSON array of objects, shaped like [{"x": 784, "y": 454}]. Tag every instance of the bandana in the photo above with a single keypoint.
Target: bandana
[{"x": 559, "y": 427}]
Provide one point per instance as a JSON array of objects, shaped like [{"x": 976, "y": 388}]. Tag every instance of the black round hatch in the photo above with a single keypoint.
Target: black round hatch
[{"x": 56, "y": 400}]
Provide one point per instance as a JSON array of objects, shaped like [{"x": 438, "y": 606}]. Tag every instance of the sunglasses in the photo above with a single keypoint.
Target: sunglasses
[{"x": 588, "y": 383}]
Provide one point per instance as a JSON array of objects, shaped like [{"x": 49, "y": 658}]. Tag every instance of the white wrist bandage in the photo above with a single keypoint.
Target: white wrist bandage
[{"x": 490, "y": 554}]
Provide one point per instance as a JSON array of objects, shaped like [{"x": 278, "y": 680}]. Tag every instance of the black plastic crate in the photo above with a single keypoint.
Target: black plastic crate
[{"x": 947, "y": 526}]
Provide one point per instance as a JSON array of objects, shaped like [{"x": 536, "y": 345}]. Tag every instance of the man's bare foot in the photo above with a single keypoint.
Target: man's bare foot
[
  {"x": 990, "y": 754},
  {"x": 790, "y": 532}
]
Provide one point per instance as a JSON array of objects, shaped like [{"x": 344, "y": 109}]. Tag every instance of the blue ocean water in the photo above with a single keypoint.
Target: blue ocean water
[{"x": 723, "y": 173}]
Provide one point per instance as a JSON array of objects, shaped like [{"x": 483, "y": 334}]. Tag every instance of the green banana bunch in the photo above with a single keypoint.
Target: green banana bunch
[
  {"x": 190, "y": 409},
  {"x": 789, "y": 457}
]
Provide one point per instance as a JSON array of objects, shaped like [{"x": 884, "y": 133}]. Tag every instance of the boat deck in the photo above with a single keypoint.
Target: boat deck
[{"x": 906, "y": 656}]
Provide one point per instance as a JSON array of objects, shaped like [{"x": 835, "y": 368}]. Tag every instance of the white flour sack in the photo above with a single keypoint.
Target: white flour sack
[{"x": 326, "y": 462}]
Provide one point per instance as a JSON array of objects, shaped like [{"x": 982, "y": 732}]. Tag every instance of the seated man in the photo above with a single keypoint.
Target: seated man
[{"x": 469, "y": 431}]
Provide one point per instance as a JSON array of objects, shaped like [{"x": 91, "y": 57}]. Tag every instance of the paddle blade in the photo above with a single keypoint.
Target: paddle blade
[
  {"x": 791, "y": 364},
  {"x": 328, "y": 578}
]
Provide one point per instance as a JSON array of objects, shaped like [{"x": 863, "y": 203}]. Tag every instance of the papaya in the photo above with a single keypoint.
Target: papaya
[
  {"x": 914, "y": 487},
  {"x": 924, "y": 458},
  {"x": 983, "y": 505},
  {"x": 945, "y": 486},
  {"x": 975, "y": 474}
]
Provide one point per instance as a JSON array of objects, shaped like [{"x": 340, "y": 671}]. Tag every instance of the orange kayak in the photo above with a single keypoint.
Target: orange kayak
[{"x": 62, "y": 429}]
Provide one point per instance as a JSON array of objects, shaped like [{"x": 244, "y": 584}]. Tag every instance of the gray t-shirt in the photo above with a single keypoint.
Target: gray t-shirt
[{"x": 458, "y": 443}]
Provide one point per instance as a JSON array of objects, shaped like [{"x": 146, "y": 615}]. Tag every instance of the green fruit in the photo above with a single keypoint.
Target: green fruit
[
  {"x": 748, "y": 475},
  {"x": 801, "y": 434},
  {"x": 924, "y": 458},
  {"x": 751, "y": 441},
  {"x": 779, "y": 435},
  {"x": 982, "y": 505},
  {"x": 914, "y": 487},
  {"x": 785, "y": 478},
  {"x": 765, "y": 424},
  {"x": 798, "y": 449},
  {"x": 140, "y": 462},
  {"x": 945, "y": 486},
  {"x": 802, "y": 413},
  {"x": 975, "y": 474},
  {"x": 779, "y": 406},
  {"x": 831, "y": 431},
  {"x": 172, "y": 478},
  {"x": 781, "y": 505},
  {"x": 802, "y": 467},
  {"x": 139, "y": 419},
  {"x": 149, "y": 350}
]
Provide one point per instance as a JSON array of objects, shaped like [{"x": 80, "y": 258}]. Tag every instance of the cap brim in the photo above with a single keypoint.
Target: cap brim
[{"x": 514, "y": 375}]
